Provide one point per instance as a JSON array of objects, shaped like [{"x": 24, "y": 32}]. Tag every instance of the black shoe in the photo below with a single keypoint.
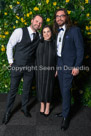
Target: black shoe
[
  {"x": 46, "y": 115},
  {"x": 26, "y": 113},
  {"x": 65, "y": 123},
  {"x": 42, "y": 113},
  {"x": 6, "y": 118},
  {"x": 59, "y": 114}
]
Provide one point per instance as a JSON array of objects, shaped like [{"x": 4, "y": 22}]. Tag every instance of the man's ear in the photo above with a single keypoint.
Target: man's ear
[{"x": 31, "y": 21}]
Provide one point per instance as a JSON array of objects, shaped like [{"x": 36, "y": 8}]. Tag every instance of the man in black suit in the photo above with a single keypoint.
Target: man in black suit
[
  {"x": 70, "y": 54},
  {"x": 25, "y": 41}
]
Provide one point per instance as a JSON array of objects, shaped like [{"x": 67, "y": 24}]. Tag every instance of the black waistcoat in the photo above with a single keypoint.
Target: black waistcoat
[{"x": 25, "y": 50}]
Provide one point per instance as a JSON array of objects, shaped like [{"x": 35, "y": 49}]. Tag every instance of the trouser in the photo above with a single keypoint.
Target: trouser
[
  {"x": 15, "y": 80},
  {"x": 65, "y": 81}
]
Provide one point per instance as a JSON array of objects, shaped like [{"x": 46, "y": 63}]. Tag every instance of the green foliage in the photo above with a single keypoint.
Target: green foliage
[{"x": 15, "y": 14}]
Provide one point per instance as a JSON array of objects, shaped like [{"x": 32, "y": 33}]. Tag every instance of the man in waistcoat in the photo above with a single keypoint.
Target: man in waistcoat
[
  {"x": 25, "y": 41},
  {"x": 70, "y": 54}
]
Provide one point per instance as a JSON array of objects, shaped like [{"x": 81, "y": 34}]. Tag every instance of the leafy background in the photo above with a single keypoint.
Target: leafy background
[{"x": 15, "y": 14}]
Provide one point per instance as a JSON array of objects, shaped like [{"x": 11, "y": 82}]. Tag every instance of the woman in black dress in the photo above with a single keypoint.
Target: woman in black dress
[{"x": 46, "y": 69}]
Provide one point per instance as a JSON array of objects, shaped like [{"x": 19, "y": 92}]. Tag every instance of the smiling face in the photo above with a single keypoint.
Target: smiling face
[
  {"x": 47, "y": 33},
  {"x": 36, "y": 23},
  {"x": 60, "y": 18}
]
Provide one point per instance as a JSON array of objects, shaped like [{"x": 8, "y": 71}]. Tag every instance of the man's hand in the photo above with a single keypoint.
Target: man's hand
[{"x": 75, "y": 71}]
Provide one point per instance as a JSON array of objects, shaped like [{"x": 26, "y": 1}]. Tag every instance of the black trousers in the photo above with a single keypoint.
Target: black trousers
[
  {"x": 16, "y": 75},
  {"x": 65, "y": 81}
]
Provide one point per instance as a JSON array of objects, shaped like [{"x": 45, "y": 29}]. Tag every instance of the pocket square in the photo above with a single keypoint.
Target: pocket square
[{"x": 67, "y": 36}]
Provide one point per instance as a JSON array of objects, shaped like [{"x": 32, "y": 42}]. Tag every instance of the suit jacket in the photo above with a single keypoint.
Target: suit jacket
[{"x": 72, "y": 47}]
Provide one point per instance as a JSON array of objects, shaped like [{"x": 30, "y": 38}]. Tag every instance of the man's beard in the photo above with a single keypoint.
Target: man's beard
[
  {"x": 60, "y": 25},
  {"x": 33, "y": 26}
]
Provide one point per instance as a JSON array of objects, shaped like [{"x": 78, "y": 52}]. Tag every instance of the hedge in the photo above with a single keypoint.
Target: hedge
[{"x": 15, "y": 14}]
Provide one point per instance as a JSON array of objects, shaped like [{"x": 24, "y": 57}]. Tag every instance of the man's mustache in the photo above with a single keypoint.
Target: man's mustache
[
  {"x": 36, "y": 25},
  {"x": 60, "y": 20}
]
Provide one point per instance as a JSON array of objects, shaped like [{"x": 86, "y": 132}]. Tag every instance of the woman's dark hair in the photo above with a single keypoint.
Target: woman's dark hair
[
  {"x": 46, "y": 26},
  {"x": 68, "y": 20}
]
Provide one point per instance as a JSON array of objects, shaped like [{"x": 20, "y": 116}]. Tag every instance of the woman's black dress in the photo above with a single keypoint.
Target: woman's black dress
[{"x": 46, "y": 68}]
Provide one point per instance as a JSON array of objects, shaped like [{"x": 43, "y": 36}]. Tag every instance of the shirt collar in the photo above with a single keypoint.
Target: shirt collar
[
  {"x": 30, "y": 30},
  {"x": 64, "y": 27}
]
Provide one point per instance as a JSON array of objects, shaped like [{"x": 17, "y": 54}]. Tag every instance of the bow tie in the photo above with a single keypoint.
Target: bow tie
[{"x": 60, "y": 29}]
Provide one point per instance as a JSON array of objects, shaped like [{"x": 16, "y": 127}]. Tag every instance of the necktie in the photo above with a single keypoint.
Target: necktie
[
  {"x": 34, "y": 35},
  {"x": 60, "y": 29}
]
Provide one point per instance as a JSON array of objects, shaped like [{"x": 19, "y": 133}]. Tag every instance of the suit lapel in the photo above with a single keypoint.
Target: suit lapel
[
  {"x": 28, "y": 34},
  {"x": 64, "y": 38}
]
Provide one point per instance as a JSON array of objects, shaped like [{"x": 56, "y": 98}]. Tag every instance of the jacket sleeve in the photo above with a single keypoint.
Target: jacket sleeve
[{"x": 78, "y": 40}]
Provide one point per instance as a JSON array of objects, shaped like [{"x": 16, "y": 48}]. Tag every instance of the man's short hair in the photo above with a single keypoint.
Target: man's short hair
[{"x": 37, "y": 15}]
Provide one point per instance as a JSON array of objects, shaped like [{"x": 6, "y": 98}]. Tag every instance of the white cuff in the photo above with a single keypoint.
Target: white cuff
[{"x": 10, "y": 61}]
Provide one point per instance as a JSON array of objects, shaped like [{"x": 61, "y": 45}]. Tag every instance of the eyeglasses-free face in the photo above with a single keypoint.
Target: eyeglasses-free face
[
  {"x": 36, "y": 23},
  {"x": 47, "y": 33}
]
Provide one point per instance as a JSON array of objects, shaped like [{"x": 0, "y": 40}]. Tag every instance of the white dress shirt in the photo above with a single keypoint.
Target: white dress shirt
[
  {"x": 60, "y": 40},
  {"x": 15, "y": 38}
]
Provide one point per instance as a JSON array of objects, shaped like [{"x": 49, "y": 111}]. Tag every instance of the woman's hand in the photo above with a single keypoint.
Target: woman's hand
[
  {"x": 10, "y": 64},
  {"x": 56, "y": 73}
]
